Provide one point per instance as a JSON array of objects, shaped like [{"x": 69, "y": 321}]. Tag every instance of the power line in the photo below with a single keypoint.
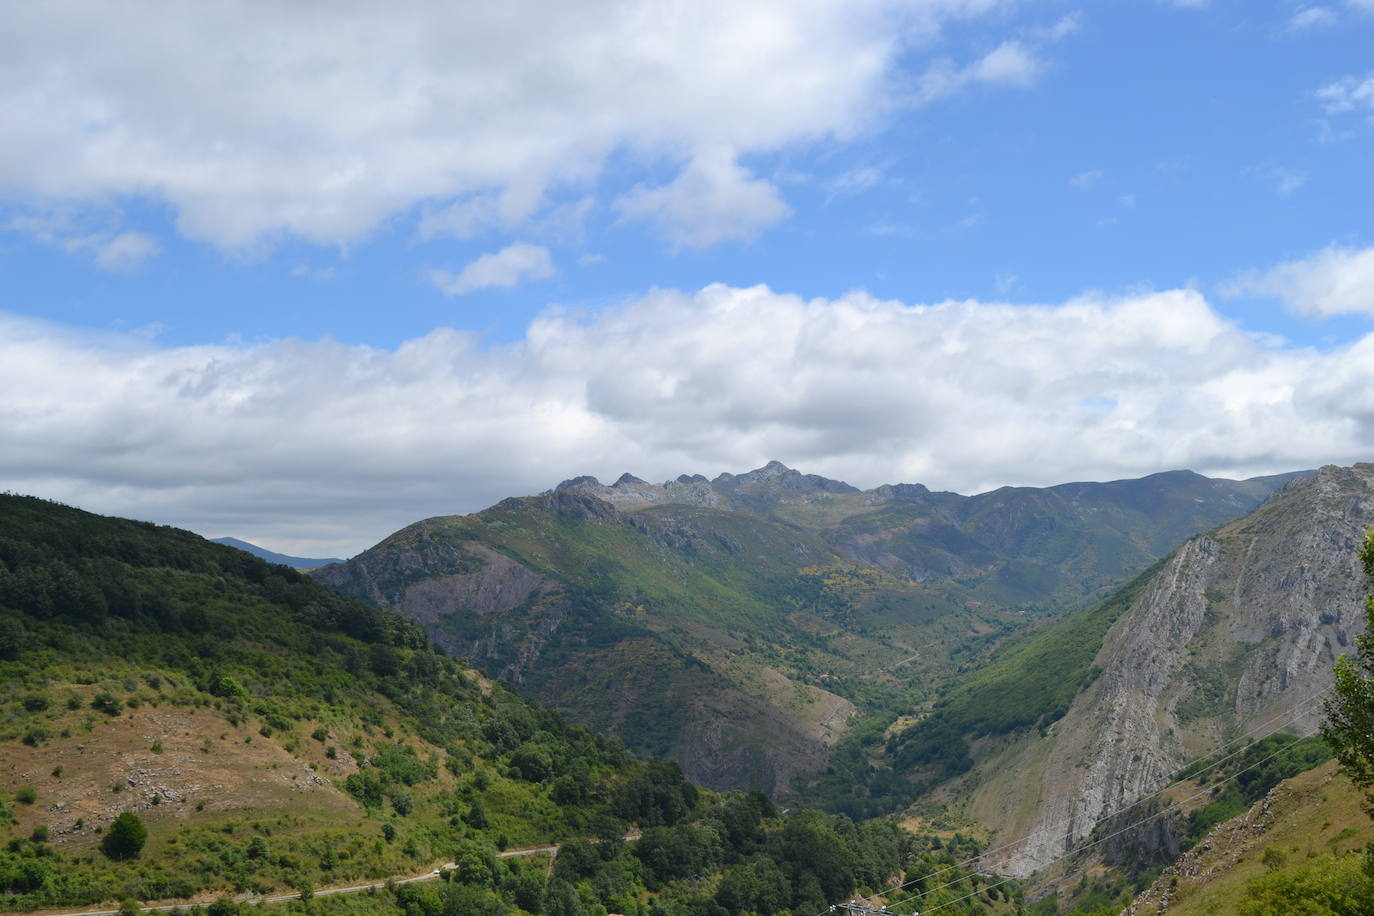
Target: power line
[
  {"x": 1109, "y": 836},
  {"x": 1292, "y": 711}
]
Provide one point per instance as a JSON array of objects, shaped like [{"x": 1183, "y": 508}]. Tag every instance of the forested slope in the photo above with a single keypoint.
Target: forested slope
[{"x": 271, "y": 734}]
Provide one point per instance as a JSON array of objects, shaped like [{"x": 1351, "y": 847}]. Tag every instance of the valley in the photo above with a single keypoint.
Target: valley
[
  {"x": 768, "y": 632},
  {"x": 765, "y": 629}
]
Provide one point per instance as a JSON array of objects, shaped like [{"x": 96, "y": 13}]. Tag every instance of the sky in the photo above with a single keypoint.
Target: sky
[{"x": 304, "y": 274}]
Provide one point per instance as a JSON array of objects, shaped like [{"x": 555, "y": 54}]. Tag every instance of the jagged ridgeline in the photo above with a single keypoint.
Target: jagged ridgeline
[
  {"x": 181, "y": 719},
  {"x": 742, "y": 626}
]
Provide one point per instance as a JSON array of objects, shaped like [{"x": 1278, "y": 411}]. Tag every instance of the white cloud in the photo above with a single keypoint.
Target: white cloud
[
  {"x": 1066, "y": 25},
  {"x": 91, "y": 233},
  {"x": 1334, "y": 281},
  {"x": 508, "y": 267},
  {"x": 1287, "y": 181},
  {"x": 1353, "y": 93},
  {"x": 713, "y": 200},
  {"x": 258, "y": 120},
  {"x": 1086, "y": 181},
  {"x": 1010, "y": 64},
  {"x": 855, "y": 181},
  {"x": 322, "y": 448},
  {"x": 1313, "y": 17},
  {"x": 125, "y": 251}
]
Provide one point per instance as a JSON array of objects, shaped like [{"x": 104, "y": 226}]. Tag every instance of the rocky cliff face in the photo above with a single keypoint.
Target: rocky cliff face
[{"x": 1236, "y": 634}]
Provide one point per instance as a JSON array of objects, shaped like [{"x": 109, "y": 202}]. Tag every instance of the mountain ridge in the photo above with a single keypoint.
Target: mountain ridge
[
  {"x": 741, "y": 607},
  {"x": 271, "y": 556}
]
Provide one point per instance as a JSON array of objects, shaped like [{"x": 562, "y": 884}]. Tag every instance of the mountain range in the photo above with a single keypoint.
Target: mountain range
[
  {"x": 745, "y": 626},
  {"x": 271, "y": 556},
  {"x": 1019, "y": 666}
]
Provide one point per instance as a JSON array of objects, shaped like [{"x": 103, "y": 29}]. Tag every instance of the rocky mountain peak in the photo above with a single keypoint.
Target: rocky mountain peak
[{"x": 584, "y": 482}]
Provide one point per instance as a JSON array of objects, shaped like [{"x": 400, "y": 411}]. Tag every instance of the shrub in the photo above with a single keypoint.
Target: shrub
[
  {"x": 125, "y": 838},
  {"x": 26, "y": 795},
  {"x": 107, "y": 703}
]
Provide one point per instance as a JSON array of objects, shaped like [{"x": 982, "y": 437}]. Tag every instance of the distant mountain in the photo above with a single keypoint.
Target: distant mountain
[
  {"x": 272, "y": 556},
  {"x": 738, "y": 625}
]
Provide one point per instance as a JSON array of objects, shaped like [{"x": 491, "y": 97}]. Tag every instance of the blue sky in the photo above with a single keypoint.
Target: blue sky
[{"x": 257, "y": 210}]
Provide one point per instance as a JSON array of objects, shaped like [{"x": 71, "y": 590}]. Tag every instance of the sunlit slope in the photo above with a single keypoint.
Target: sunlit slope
[{"x": 1309, "y": 827}]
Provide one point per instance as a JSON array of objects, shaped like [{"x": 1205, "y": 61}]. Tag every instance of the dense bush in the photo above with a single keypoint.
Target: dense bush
[{"x": 125, "y": 838}]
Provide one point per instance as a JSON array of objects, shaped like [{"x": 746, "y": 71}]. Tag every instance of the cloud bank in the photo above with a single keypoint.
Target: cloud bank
[
  {"x": 259, "y": 120},
  {"x": 320, "y": 447}
]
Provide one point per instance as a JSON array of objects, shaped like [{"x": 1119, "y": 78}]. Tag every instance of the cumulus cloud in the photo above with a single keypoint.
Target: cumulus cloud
[
  {"x": 1334, "y": 281},
  {"x": 715, "y": 199},
  {"x": 258, "y": 120},
  {"x": 320, "y": 447},
  {"x": 508, "y": 267}
]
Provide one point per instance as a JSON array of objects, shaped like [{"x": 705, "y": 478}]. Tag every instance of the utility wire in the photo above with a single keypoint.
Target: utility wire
[
  {"x": 1109, "y": 836},
  {"x": 1300, "y": 707}
]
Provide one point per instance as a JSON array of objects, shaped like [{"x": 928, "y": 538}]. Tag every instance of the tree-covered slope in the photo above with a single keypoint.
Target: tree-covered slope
[{"x": 180, "y": 720}]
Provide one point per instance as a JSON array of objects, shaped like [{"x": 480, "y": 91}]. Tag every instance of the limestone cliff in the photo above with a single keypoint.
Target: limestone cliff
[{"x": 1235, "y": 634}]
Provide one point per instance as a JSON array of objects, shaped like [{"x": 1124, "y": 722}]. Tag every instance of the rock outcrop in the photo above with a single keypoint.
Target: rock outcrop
[{"x": 1235, "y": 634}]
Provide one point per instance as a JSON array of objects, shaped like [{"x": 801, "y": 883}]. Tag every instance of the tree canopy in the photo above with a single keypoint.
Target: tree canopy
[{"x": 1349, "y": 725}]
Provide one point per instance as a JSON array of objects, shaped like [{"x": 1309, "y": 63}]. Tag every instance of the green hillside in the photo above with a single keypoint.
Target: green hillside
[
  {"x": 180, "y": 720},
  {"x": 666, "y": 624}
]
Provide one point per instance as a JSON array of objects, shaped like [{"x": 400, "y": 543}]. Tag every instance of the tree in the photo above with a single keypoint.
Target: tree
[
  {"x": 1349, "y": 725},
  {"x": 125, "y": 838}
]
